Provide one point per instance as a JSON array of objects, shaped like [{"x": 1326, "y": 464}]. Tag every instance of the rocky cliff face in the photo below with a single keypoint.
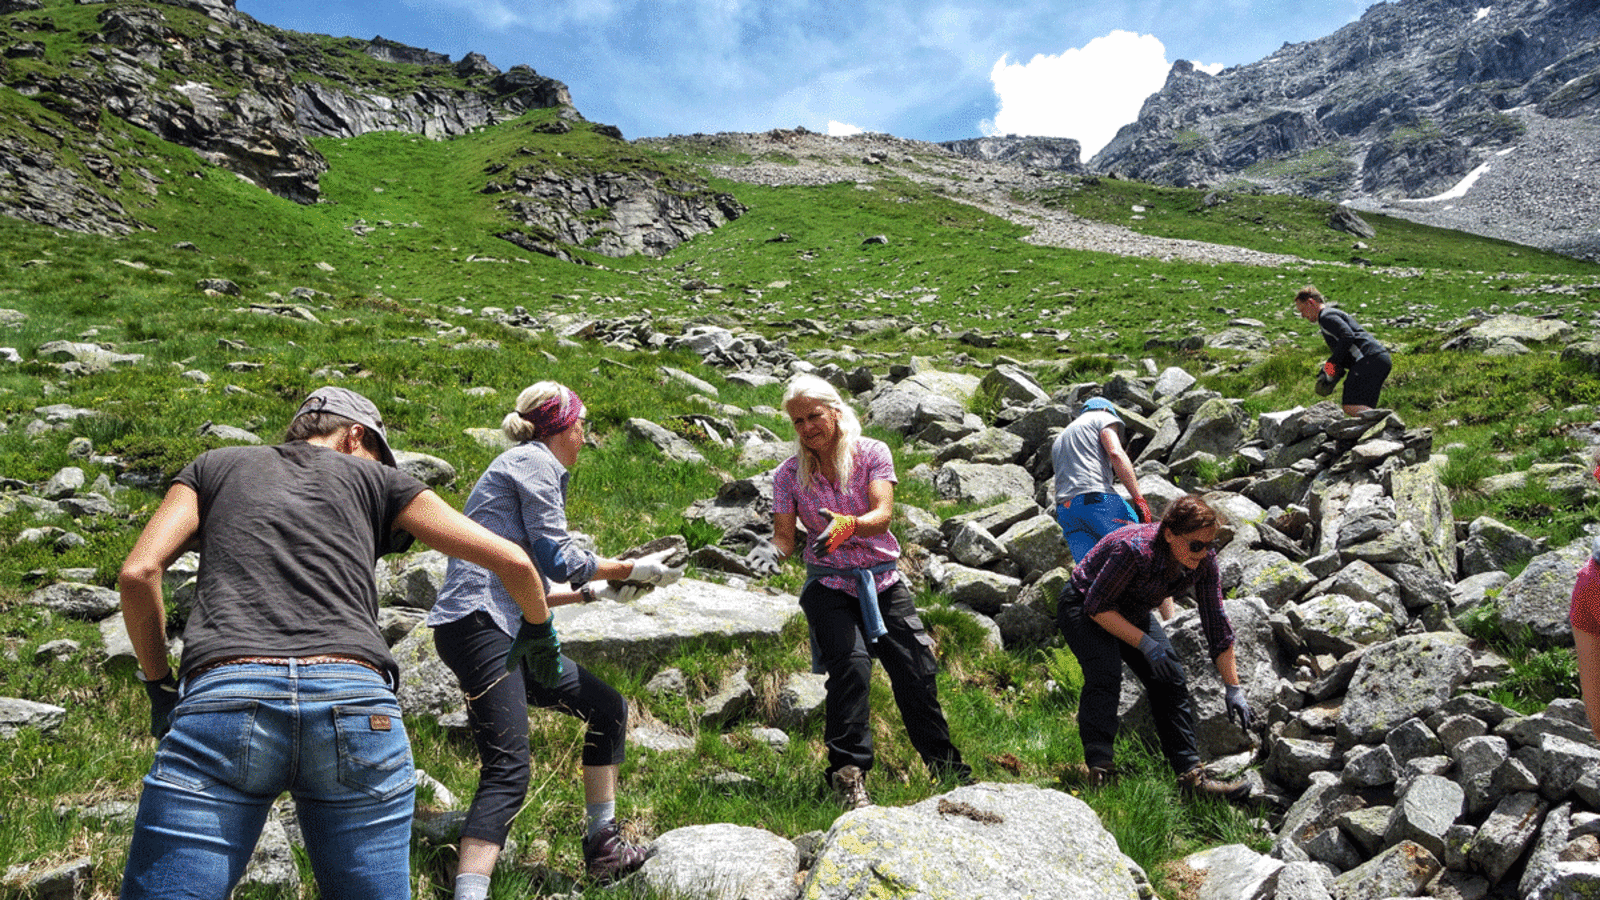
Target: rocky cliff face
[
  {"x": 1402, "y": 104},
  {"x": 248, "y": 97},
  {"x": 1060, "y": 154}
]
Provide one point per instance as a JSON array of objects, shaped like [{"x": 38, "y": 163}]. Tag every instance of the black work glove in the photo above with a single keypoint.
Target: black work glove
[
  {"x": 1162, "y": 664},
  {"x": 538, "y": 646},
  {"x": 163, "y": 694}
]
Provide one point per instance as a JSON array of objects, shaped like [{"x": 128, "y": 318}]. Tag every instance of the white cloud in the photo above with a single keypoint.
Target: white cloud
[
  {"x": 1083, "y": 93},
  {"x": 843, "y": 129}
]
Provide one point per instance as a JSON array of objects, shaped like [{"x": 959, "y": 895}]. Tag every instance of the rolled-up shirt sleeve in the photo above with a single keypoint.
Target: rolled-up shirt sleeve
[
  {"x": 540, "y": 488},
  {"x": 1208, "y": 598}
]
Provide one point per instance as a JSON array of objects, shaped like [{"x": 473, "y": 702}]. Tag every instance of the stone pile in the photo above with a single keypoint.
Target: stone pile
[{"x": 1381, "y": 768}]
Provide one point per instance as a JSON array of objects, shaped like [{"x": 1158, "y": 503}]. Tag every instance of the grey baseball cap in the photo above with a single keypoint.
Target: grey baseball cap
[{"x": 340, "y": 401}]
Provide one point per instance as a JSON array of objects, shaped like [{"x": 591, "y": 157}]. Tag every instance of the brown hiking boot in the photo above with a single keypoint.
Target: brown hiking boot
[
  {"x": 850, "y": 788},
  {"x": 607, "y": 857},
  {"x": 1093, "y": 777},
  {"x": 1197, "y": 782}
]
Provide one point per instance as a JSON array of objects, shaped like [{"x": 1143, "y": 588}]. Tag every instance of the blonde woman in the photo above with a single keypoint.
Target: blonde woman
[
  {"x": 522, "y": 497},
  {"x": 840, "y": 485}
]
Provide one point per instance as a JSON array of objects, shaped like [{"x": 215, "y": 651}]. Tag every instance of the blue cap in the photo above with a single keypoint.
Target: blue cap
[{"x": 1102, "y": 403}]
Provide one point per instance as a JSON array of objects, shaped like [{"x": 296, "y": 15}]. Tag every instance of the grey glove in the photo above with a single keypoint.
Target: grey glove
[
  {"x": 1238, "y": 706},
  {"x": 1162, "y": 664},
  {"x": 163, "y": 695},
  {"x": 764, "y": 557},
  {"x": 538, "y": 646}
]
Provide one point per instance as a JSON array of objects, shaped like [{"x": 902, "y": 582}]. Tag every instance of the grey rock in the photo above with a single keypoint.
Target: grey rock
[
  {"x": 427, "y": 686},
  {"x": 801, "y": 699},
  {"x": 722, "y": 862},
  {"x": 66, "y": 482},
  {"x": 673, "y": 447},
  {"x": 1217, "y": 427},
  {"x": 1013, "y": 848},
  {"x": 1425, "y": 811},
  {"x": 1547, "y": 849},
  {"x": 1562, "y": 762},
  {"x": 733, "y": 698},
  {"x": 1339, "y": 625},
  {"x": 1400, "y": 871},
  {"x": 984, "y": 591},
  {"x": 656, "y": 624},
  {"x": 430, "y": 470},
  {"x": 1493, "y": 546},
  {"x": 17, "y": 714},
  {"x": 1478, "y": 759},
  {"x": 975, "y": 547},
  {"x": 895, "y": 406},
  {"x": 1506, "y": 834},
  {"x": 982, "y": 482},
  {"x": 80, "y": 601},
  {"x": 1292, "y": 761},
  {"x": 1036, "y": 544},
  {"x": 1369, "y": 766},
  {"x": 1408, "y": 676},
  {"x": 1540, "y": 596},
  {"x": 1231, "y": 870}
]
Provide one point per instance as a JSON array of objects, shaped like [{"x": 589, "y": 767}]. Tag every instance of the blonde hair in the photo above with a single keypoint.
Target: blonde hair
[
  {"x": 810, "y": 387},
  {"x": 516, "y": 426}
]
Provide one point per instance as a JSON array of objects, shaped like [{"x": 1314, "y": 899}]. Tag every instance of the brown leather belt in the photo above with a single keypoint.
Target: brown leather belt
[{"x": 323, "y": 659}]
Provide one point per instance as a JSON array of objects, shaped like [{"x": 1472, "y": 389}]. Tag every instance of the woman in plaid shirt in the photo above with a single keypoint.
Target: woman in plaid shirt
[
  {"x": 1107, "y": 614},
  {"x": 840, "y": 486}
]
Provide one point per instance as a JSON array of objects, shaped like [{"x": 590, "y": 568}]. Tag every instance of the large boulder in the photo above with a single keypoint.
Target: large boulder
[
  {"x": 1537, "y": 600},
  {"x": 1408, "y": 676},
  {"x": 895, "y": 407},
  {"x": 986, "y": 840}
]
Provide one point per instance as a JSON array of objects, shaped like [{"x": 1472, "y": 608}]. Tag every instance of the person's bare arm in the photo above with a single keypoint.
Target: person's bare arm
[
  {"x": 783, "y": 533},
  {"x": 1121, "y": 465},
  {"x": 1588, "y": 647},
  {"x": 170, "y": 531}
]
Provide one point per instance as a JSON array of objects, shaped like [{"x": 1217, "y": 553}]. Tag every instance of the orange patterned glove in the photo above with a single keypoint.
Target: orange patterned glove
[
  {"x": 1331, "y": 369},
  {"x": 838, "y": 531},
  {"x": 1144, "y": 511}
]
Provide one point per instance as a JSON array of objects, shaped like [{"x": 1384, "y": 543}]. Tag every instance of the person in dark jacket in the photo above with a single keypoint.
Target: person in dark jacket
[{"x": 1352, "y": 353}]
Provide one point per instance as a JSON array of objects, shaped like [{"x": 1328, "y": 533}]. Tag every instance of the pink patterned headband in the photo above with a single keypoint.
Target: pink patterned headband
[{"x": 554, "y": 415}]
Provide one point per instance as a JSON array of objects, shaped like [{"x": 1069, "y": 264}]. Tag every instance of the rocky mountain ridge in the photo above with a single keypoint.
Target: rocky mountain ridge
[
  {"x": 1398, "y": 107},
  {"x": 250, "y": 98}
]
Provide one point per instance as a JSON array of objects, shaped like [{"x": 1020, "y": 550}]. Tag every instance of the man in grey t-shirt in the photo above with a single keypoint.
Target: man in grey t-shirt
[{"x": 1087, "y": 455}]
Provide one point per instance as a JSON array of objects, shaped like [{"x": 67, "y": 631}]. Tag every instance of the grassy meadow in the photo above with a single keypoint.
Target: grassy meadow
[{"x": 402, "y": 259}]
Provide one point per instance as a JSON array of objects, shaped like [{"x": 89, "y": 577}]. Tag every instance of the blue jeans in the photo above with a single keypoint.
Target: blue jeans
[
  {"x": 1087, "y": 518},
  {"x": 330, "y": 734}
]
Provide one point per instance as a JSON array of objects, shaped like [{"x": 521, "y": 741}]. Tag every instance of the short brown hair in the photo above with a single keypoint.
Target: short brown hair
[
  {"x": 1189, "y": 514},
  {"x": 316, "y": 424},
  {"x": 1309, "y": 292}
]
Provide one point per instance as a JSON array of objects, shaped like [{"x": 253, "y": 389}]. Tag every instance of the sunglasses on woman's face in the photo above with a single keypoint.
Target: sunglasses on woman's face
[{"x": 1202, "y": 546}]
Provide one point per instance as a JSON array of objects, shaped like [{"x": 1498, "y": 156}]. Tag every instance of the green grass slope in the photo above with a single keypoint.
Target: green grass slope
[{"x": 398, "y": 261}]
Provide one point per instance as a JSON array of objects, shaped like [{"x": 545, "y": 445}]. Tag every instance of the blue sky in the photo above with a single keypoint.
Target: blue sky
[{"x": 930, "y": 70}]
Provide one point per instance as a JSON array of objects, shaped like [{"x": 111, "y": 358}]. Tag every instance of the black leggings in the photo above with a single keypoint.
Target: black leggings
[
  {"x": 1365, "y": 380},
  {"x": 497, "y": 708}
]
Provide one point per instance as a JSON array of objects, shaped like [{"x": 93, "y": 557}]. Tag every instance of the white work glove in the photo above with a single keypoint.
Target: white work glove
[
  {"x": 621, "y": 592},
  {"x": 653, "y": 569}
]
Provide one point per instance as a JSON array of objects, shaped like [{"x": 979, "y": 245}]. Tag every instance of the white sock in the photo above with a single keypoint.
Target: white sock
[
  {"x": 472, "y": 886},
  {"x": 598, "y": 816}
]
